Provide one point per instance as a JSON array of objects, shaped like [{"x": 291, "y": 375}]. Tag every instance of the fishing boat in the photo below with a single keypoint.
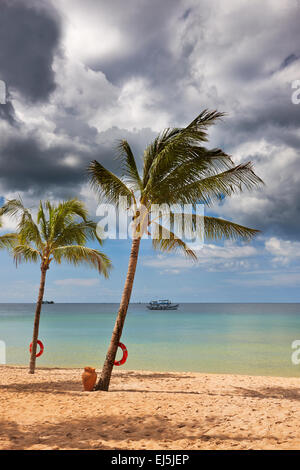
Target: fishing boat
[
  {"x": 162, "y": 305},
  {"x": 47, "y": 302}
]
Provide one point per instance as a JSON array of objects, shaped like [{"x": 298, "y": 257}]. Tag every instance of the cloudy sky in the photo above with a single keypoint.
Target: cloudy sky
[{"x": 81, "y": 75}]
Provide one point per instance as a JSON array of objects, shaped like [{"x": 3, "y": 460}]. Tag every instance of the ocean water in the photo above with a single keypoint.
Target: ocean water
[{"x": 250, "y": 339}]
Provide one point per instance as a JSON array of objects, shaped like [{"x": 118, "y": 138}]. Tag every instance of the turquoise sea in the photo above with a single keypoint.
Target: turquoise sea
[{"x": 250, "y": 339}]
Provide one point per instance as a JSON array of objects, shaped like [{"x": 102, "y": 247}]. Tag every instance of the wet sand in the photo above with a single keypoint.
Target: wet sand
[{"x": 147, "y": 410}]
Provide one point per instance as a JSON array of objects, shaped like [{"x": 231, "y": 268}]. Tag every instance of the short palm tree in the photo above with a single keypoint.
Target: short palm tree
[
  {"x": 178, "y": 169},
  {"x": 60, "y": 234}
]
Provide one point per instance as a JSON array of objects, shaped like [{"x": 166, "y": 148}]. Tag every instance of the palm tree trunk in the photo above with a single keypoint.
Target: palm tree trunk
[
  {"x": 37, "y": 320},
  {"x": 104, "y": 380}
]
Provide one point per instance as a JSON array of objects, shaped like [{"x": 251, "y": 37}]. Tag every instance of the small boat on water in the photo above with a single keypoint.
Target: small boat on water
[
  {"x": 48, "y": 302},
  {"x": 162, "y": 305}
]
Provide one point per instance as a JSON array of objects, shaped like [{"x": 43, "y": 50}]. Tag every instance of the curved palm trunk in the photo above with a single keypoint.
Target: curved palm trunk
[
  {"x": 37, "y": 320},
  {"x": 104, "y": 380}
]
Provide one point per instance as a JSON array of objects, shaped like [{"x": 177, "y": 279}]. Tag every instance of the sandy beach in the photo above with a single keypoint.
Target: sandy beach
[{"x": 148, "y": 410}]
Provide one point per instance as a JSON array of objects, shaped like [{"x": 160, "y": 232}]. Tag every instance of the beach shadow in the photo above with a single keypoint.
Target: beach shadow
[
  {"x": 152, "y": 375},
  {"x": 44, "y": 387},
  {"x": 65, "y": 386},
  {"x": 270, "y": 393},
  {"x": 171, "y": 392},
  {"x": 75, "y": 387},
  {"x": 69, "y": 386},
  {"x": 122, "y": 432}
]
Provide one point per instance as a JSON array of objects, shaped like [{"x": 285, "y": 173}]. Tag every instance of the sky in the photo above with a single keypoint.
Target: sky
[{"x": 82, "y": 75}]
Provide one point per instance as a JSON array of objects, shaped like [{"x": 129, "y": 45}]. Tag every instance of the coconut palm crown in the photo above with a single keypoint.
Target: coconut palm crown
[
  {"x": 59, "y": 234},
  {"x": 177, "y": 169}
]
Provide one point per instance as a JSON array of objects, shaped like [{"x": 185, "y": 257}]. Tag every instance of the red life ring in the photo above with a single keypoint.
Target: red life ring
[
  {"x": 125, "y": 355},
  {"x": 41, "y": 348}
]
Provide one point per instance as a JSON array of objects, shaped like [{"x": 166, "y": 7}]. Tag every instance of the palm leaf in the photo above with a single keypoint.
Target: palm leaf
[
  {"x": 107, "y": 185},
  {"x": 77, "y": 232},
  {"x": 217, "y": 229},
  {"x": 213, "y": 187},
  {"x": 63, "y": 214},
  {"x": 209, "y": 228},
  {"x": 29, "y": 232},
  {"x": 154, "y": 148},
  {"x": 130, "y": 170},
  {"x": 197, "y": 165},
  {"x": 24, "y": 252},
  {"x": 27, "y": 229},
  {"x": 8, "y": 240},
  {"x": 178, "y": 147},
  {"x": 165, "y": 240},
  {"x": 77, "y": 254},
  {"x": 41, "y": 220},
  {"x": 14, "y": 208}
]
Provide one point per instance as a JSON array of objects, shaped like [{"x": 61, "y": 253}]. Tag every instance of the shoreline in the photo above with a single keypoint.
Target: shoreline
[
  {"x": 148, "y": 410},
  {"x": 156, "y": 371},
  {"x": 170, "y": 371}
]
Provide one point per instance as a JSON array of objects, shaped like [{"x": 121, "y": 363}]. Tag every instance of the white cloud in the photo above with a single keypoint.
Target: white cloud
[
  {"x": 77, "y": 282},
  {"x": 8, "y": 224},
  {"x": 284, "y": 251},
  {"x": 229, "y": 257},
  {"x": 269, "y": 280},
  {"x": 90, "y": 34}
]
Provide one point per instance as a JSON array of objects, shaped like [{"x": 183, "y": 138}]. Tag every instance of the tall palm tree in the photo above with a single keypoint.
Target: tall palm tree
[
  {"x": 60, "y": 234},
  {"x": 178, "y": 169}
]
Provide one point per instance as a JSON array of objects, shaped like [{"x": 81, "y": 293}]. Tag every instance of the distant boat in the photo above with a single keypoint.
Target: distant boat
[
  {"x": 162, "y": 305},
  {"x": 47, "y": 302}
]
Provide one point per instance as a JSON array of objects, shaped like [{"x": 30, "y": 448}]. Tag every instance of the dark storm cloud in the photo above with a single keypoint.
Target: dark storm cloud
[
  {"x": 275, "y": 126},
  {"x": 288, "y": 60},
  {"x": 276, "y": 119},
  {"x": 236, "y": 58},
  {"x": 74, "y": 127},
  {"x": 26, "y": 166},
  {"x": 29, "y": 37}
]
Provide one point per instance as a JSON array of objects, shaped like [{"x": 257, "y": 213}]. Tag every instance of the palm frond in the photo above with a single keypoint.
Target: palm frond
[
  {"x": 27, "y": 229},
  {"x": 197, "y": 165},
  {"x": 178, "y": 147},
  {"x": 24, "y": 252},
  {"x": 8, "y": 240},
  {"x": 218, "y": 229},
  {"x": 200, "y": 161},
  {"x": 209, "y": 228},
  {"x": 154, "y": 148},
  {"x": 78, "y": 233},
  {"x": 130, "y": 170},
  {"x": 212, "y": 188},
  {"x": 72, "y": 207},
  {"x": 107, "y": 185},
  {"x": 165, "y": 240},
  {"x": 42, "y": 221},
  {"x": 77, "y": 254},
  {"x": 64, "y": 214},
  {"x": 29, "y": 232},
  {"x": 14, "y": 208}
]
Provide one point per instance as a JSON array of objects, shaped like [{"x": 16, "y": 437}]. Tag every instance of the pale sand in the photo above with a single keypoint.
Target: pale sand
[{"x": 148, "y": 410}]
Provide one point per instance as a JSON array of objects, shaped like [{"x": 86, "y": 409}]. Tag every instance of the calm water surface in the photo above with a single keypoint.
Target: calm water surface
[{"x": 221, "y": 338}]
